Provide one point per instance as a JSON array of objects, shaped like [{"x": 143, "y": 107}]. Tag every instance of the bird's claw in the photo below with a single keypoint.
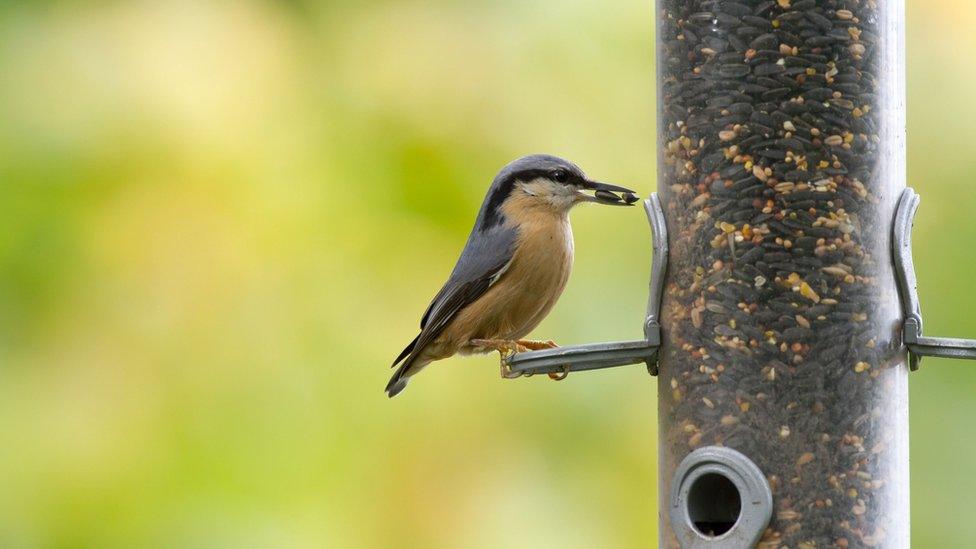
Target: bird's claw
[
  {"x": 541, "y": 345},
  {"x": 506, "y": 368},
  {"x": 507, "y": 372},
  {"x": 507, "y": 349},
  {"x": 561, "y": 375}
]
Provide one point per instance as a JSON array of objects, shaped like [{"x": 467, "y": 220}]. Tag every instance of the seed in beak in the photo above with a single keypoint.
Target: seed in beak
[{"x": 606, "y": 195}]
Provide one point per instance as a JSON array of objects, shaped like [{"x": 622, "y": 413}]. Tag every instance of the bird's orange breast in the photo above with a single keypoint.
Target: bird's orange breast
[
  {"x": 529, "y": 287},
  {"x": 536, "y": 277}
]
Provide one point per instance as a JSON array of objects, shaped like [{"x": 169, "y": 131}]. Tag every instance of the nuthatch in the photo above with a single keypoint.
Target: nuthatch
[{"x": 512, "y": 269}]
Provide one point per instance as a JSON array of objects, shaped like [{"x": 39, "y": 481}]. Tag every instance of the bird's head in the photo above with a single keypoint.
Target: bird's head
[{"x": 550, "y": 182}]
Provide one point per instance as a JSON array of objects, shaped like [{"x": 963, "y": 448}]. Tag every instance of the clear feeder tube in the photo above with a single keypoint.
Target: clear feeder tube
[{"x": 781, "y": 158}]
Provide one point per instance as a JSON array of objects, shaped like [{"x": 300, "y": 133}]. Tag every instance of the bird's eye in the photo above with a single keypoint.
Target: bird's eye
[{"x": 560, "y": 176}]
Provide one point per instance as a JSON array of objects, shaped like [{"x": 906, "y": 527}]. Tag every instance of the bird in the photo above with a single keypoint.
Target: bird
[{"x": 512, "y": 269}]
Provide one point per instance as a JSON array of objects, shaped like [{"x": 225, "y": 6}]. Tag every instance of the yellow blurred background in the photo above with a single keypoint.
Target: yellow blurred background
[{"x": 221, "y": 220}]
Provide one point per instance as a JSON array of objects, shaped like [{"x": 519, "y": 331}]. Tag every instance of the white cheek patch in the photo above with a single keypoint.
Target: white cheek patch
[{"x": 560, "y": 196}]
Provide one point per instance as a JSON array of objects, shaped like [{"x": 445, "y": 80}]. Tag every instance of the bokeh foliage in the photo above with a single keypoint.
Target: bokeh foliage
[{"x": 220, "y": 220}]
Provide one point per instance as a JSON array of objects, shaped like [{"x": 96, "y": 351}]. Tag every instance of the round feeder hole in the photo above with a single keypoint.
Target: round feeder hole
[{"x": 714, "y": 504}]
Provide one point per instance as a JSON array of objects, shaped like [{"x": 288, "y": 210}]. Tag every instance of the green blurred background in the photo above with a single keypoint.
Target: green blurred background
[{"x": 220, "y": 221}]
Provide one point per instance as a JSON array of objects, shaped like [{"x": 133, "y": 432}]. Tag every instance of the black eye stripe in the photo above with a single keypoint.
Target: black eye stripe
[
  {"x": 529, "y": 175},
  {"x": 490, "y": 214}
]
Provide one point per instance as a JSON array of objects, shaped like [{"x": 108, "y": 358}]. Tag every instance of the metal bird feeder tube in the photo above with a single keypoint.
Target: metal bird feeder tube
[{"x": 781, "y": 160}]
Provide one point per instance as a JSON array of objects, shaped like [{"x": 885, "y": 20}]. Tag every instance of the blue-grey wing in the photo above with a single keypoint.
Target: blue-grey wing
[{"x": 484, "y": 260}]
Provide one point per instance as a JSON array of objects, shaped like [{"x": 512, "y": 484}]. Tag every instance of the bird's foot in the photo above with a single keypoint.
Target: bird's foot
[
  {"x": 540, "y": 345},
  {"x": 506, "y": 349},
  {"x": 537, "y": 345}
]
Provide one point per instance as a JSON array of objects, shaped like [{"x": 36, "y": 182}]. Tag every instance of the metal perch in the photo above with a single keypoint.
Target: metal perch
[{"x": 595, "y": 356}]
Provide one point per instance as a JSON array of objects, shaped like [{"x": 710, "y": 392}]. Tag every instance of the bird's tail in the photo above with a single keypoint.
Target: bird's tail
[
  {"x": 403, "y": 374},
  {"x": 399, "y": 380}
]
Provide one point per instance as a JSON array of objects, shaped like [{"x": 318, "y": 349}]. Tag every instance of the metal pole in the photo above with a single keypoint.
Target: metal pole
[{"x": 781, "y": 159}]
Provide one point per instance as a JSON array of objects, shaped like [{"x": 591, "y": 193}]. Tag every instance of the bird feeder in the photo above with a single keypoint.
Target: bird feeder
[{"x": 783, "y": 319}]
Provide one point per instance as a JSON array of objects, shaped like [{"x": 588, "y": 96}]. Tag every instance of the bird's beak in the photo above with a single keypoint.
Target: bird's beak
[{"x": 605, "y": 193}]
